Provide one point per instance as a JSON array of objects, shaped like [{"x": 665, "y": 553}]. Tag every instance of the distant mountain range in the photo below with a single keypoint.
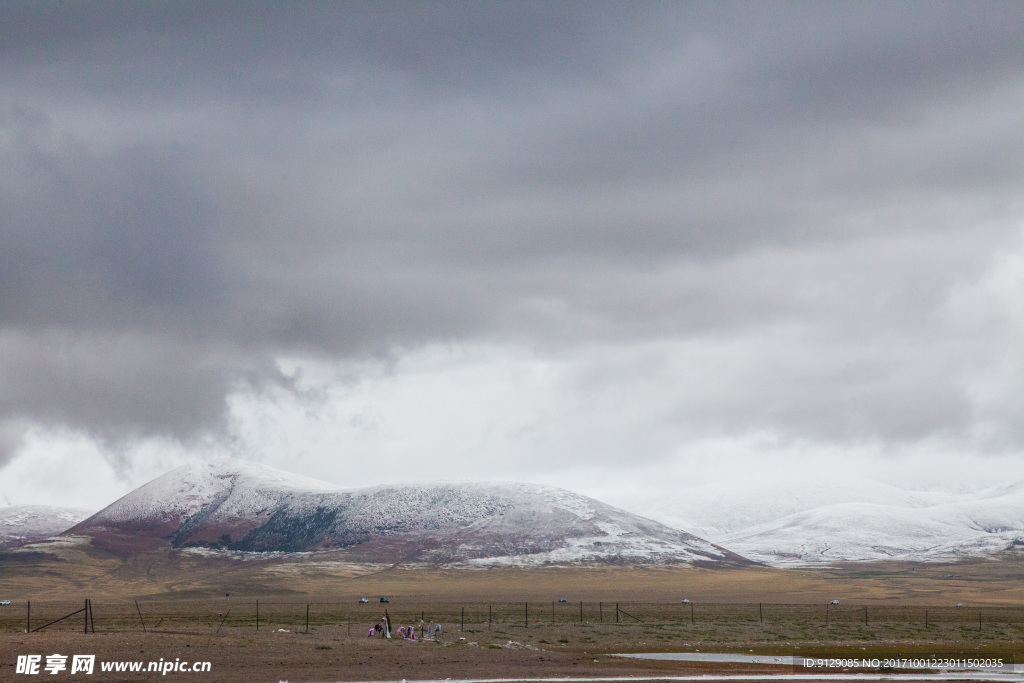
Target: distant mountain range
[
  {"x": 789, "y": 522},
  {"x": 241, "y": 506},
  {"x": 21, "y": 524},
  {"x": 232, "y": 505}
]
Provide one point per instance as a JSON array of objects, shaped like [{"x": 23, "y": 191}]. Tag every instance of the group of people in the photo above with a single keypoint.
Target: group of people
[{"x": 383, "y": 629}]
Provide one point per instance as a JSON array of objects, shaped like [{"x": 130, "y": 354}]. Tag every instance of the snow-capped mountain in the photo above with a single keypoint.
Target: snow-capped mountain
[
  {"x": 20, "y": 524},
  {"x": 243, "y": 506},
  {"x": 854, "y": 532},
  {"x": 797, "y": 523},
  {"x": 723, "y": 508}
]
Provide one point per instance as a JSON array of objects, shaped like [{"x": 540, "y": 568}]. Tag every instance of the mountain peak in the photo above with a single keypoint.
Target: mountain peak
[{"x": 243, "y": 506}]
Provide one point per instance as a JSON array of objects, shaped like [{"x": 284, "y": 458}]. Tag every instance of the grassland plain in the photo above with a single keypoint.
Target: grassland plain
[
  {"x": 180, "y": 599},
  {"x": 486, "y": 639}
]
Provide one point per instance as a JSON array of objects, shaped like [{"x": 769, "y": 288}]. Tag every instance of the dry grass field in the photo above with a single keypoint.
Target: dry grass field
[
  {"x": 180, "y": 600},
  {"x": 77, "y": 571}
]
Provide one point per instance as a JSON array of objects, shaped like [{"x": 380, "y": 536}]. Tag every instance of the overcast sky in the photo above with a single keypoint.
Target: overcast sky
[{"x": 621, "y": 247}]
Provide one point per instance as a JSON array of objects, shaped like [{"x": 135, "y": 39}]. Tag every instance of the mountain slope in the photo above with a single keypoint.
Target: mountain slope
[
  {"x": 720, "y": 509},
  {"x": 20, "y": 524},
  {"x": 797, "y": 523},
  {"x": 853, "y": 532},
  {"x": 242, "y": 506}
]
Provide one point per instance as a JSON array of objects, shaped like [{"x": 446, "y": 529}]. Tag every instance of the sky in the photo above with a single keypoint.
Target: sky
[{"x": 625, "y": 248}]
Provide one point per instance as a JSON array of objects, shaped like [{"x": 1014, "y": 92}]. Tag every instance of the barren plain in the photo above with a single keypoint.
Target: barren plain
[{"x": 498, "y": 622}]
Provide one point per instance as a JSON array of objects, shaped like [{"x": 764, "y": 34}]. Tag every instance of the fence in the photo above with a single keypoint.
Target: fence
[{"x": 758, "y": 620}]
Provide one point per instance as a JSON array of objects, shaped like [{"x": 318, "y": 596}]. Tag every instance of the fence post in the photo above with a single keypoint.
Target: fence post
[
  {"x": 691, "y": 614},
  {"x": 488, "y": 617},
  {"x": 226, "y": 615},
  {"x": 463, "y": 627},
  {"x": 28, "y": 618},
  {"x": 141, "y": 620},
  {"x": 552, "y": 612},
  {"x": 527, "y": 605},
  {"x": 581, "y": 611},
  {"x": 92, "y": 622},
  {"x": 616, "y": 613},
  {"x": 257, "y": 615},
  {"x": 307, "y": 617},
  {"x": 86, "y": 611},
  {"x": 760, "y": 612},
  {"x": 600, "y": 613}
]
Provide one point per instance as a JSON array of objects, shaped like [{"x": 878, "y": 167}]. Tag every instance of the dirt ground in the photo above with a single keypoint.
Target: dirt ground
[
  {"x": 282, "y": 651},
  {"x": 182, "y": 601},
  {"x": 329, "y": 656},
  {"x": 82, "y": 571}
]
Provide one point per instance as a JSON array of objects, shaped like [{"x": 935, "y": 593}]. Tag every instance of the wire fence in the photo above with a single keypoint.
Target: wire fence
[{"x": 763, "y": 620}]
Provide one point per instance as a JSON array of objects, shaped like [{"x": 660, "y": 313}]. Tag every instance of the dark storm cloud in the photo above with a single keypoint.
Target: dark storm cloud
[
  {"x": 122, "y": 238},
  {"x": 188, "y": 190},
  {"x": 264, "y": 50},
  {"x": 117, "y": 386}
]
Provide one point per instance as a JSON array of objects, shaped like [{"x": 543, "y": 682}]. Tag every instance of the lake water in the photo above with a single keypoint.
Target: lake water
[{"x": 730, "y": 657}]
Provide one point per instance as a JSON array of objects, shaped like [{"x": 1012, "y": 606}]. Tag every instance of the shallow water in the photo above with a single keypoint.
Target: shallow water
[
  {"x": 973, "y": 676},
  {"x": 730, "y": 657}
]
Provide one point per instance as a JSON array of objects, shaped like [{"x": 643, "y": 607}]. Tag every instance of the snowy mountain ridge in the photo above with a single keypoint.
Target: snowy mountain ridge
[
  {"x": 238, "y": 505},
  {"x": 20, "y": 524},
  {"x": 792, "y": 523},
  {"x": 242, "y": 506}
]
